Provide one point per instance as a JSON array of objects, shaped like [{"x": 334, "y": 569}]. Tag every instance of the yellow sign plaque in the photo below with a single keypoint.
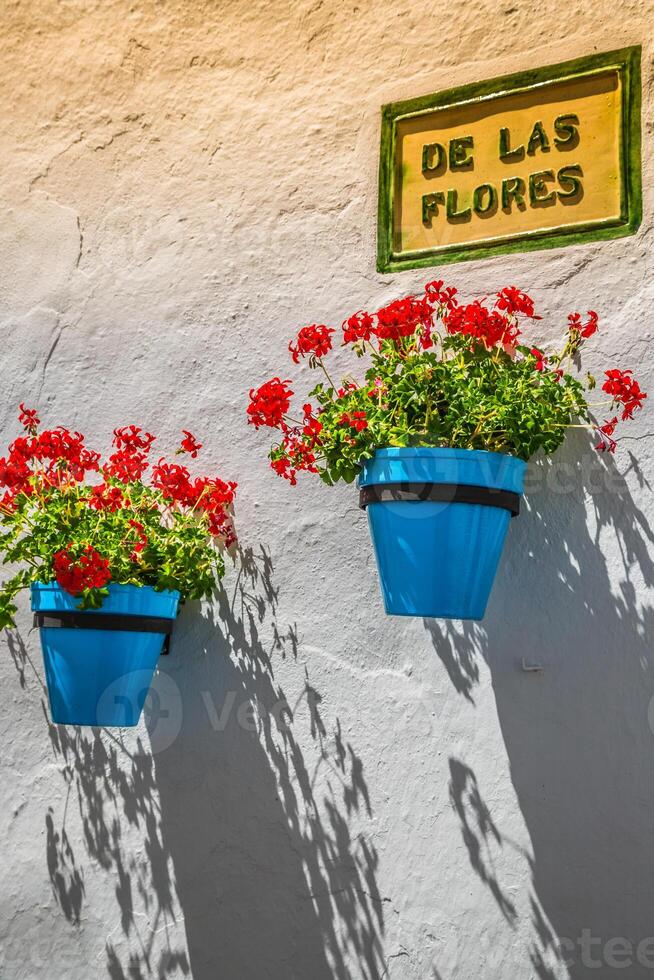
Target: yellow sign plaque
[{"x": 540, "y": 159}]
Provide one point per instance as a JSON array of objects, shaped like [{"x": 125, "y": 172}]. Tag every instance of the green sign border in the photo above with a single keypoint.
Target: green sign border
[{"x": 625, "y": 60}]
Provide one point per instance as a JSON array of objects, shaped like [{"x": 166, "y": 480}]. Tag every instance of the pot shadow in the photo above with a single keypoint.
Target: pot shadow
[
  {"x": 234, "y": 823},
  {"x": 114, "y": 789},
  {"x": 257, "y": 796},
  {"x": 579, "y": 730}
]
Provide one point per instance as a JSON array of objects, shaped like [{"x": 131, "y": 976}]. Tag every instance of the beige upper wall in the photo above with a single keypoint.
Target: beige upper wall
[{"x": 249, "y": 116}]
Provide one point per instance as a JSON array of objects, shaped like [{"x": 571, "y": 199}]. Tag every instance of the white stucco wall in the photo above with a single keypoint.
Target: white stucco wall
[{"x": 183, "y": 185}]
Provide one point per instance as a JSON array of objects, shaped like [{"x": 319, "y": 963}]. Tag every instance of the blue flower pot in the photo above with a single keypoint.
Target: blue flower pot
[
  {"x": 438, "y": 519},
  {"x": 101, "y": 676}
]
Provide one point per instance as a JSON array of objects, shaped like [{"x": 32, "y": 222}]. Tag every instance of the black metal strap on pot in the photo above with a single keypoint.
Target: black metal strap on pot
[
  {"x": 67, "y": 619},
  {"x": 450, "y": 493}
]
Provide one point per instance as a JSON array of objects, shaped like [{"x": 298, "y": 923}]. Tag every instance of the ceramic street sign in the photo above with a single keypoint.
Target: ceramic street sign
[{"x": 545, "y": 158}]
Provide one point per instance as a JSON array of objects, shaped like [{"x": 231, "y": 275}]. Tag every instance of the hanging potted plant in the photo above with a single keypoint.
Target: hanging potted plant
[
  {"x": 437, "y": 427},
  {"x": 108, "y": 556}
]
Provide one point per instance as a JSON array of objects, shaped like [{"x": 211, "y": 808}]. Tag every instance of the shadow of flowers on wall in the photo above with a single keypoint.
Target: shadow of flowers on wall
[
  {"x": 119, "y": 815},
  {"x": 235, "y": 842},
  {"x": 65, "y": 878},
  {"x": 570, "y": 598},
  {"x": 259, "y": 795}
]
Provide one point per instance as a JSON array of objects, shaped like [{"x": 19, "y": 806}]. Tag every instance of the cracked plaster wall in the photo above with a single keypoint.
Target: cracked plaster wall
[{"x": 332, "y": 793}]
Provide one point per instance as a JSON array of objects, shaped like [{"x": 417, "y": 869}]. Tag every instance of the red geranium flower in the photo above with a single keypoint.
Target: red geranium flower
[
  {"x": 541, "y": 360},
  {"x": 441, "y": 296},
  {"x": 189, "y": 445},
  {"x": 360, "y": 326},
  {"x": 606, "y": 443},
  {"x": 215, "y": 493},
  {"x": 295, "y": 454},
  {"x": 89, "y": 571},
  {"x": 314, "y": 340},
  {"x": 214, "y": 498},
  {"x": 357, "y": 421},
  {"x": 625, "y": 390},
  {"x": 14, "y": 472},
  {"x": 402, "y": 317},
  {"x": 269, "y": 404},
  {"x": 132, "y": 437},
  {"x": 490, "y": 327},
  {"x": 107, "y": 497},
  {"x": 312, "y": 428},
  {"x": 173, "y": 481},
  {"x": 128, "y": 466},
  {"x": 129, "y": 462},
  {"x": 513, "y": 301},
  {"x": 28, "y": 418},
  {"x": 586, "y": 329}
]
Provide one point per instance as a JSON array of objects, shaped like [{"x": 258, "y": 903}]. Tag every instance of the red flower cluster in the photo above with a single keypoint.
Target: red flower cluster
[
  {"x": 314, "y": 340},
  {"x": 130, "y": 460},
  {"x": 61, "y": 456},
  {"x": 606, "y": 431},
  {"x": 492, "y": 327},
  {"x": 269, "y": 404},
  {"x": 174, "y": 482},
  {"x": 297, "y": 450},
  {"x": 488, "y": 326},
  {"x": 360, "y": 326},
  {"x": 107, "y": 497},
  {"x": 126, "y": 465},
  {"x": 89, "y": 571},
  {"x": 189, "y": 444},
  {"x": 63, "y": 450},
  {"x": 513, "y": 302},
  {"x": 624, "y": 390},
  {"x": 357, "y": 421},
  {"x": 132, "y": 438},
  {"x": 312, "y": 427},
  {"x": 15, "y": 472},
  {"x": 586, "y": 329},
  {"x": 541, "y": 360},
  {"x": 402, "y": 317},
  {"x": 28, "y": 418},
  {"x": 215, "y": 497},
  {"x": 398, "y": 320},
  {"x": 212, "y": 497},
  {"x": 297, "y": 455},
  {"x": 439, "y": 295}
]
